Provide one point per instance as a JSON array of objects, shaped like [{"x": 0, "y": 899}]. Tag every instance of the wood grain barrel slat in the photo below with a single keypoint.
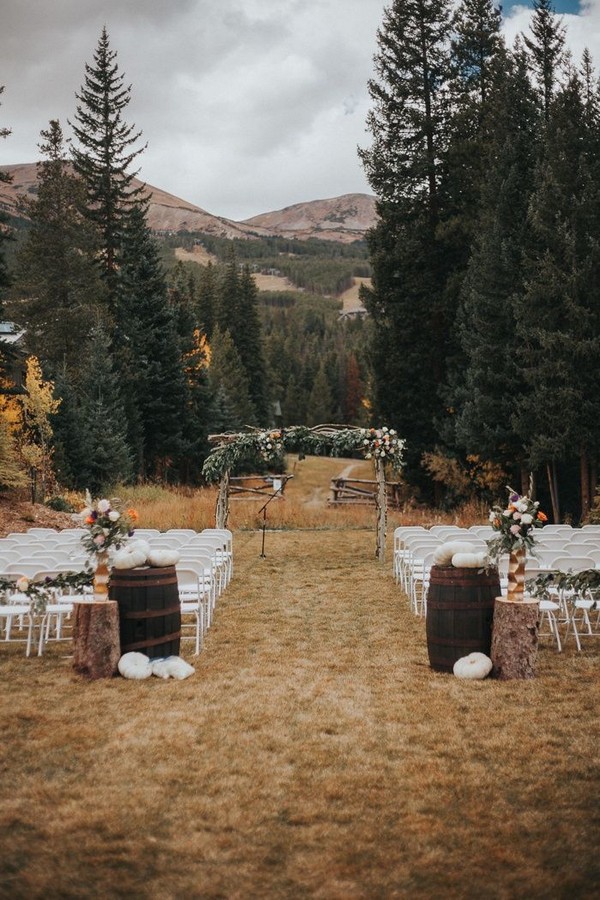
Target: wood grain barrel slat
[
  {"x": 149, "y": 610},
  {"x": 460, "y": 612}
]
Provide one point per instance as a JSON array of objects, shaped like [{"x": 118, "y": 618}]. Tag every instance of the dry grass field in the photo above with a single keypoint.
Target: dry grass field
[{"x": 314, "y": 754}]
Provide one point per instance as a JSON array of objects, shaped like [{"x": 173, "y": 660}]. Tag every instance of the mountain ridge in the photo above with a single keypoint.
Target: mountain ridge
[{"x": 344, "y": 219}]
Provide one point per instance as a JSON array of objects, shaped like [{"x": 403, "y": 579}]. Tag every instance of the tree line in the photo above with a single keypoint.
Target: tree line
[
  {"x": 132, "y": 365},
  {"x": 485, "y": 304}
]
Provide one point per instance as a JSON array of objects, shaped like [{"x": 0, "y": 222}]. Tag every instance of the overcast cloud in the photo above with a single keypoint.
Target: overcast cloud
[{"x": 247, "y": 105}]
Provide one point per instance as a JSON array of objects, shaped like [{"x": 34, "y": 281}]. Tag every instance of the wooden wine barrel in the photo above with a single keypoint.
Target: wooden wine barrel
[
  {"x": 149, "y": 610},
  {"x": 460, "y": 612}
]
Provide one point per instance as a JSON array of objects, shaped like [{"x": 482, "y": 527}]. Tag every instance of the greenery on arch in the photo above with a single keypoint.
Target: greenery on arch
[{"x": 254, "y": 446}]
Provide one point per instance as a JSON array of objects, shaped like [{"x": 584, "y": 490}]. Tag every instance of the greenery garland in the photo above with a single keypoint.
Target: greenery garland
[
  {"x": 255, "y": 445},
  {"x": 579, "y": 582},
  {"x": 40, "y": 592}
]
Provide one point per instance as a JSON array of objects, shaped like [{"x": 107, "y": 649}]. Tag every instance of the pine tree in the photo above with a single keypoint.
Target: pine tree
[
  {"x": 102, "y": 421},
  {"x": 546, "y": 50},
  {"x": 558, "y": 316},
  {"x": 105, "y": 154},
  {"x": 408, "y": 306},
  {"x": 59, "y": 294},
  {"x": 250, "y": 346},
  {"x": 478, "y": 65},
  {"x": 207, "y": 299},
  {"x": 487, "y": 382},
  {"x": 229, "y": 380},
  {"x": 320, "y": 402},
  {"x": 148, "y": 348},
  {"x": 70, "y": 450}
]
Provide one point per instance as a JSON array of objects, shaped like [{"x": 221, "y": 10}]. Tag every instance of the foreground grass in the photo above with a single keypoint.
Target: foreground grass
[{"x": 313, "y": 754}]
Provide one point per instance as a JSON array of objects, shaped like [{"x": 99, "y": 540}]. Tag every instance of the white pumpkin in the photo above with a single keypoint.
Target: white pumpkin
[
  {"x": 126, "y": 558},
  {"x": 172, "y": 667},
  {"x": 443, "y": 555},
  {"x": 135, "y": 665},
  {"x": 472, "y": 560},
  {"x": 163, "y": 557},
  {"x": 473, "y": 666},
  {"x": 139, "y": 544}
]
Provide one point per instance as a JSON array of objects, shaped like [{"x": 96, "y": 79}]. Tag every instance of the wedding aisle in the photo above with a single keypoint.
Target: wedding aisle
[{"x": 313, "y": 754}]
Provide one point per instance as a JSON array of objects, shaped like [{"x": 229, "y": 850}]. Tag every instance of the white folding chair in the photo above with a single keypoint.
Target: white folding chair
[
  {"x": 21, "y": 611},
  {"x": 194, "y": 600}
]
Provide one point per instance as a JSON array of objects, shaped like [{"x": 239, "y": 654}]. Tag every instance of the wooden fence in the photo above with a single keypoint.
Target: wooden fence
[
  {"x": 253, "y": 487},
  {"x": 361, "y": 491}
]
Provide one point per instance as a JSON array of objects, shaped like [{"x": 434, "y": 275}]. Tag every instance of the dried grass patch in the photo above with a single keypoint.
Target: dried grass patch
[{"x": 313, "y": 754}]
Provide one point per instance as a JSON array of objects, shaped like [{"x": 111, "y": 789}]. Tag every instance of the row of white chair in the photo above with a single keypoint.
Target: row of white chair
[
  {"x": 204, "y": 570},
  {"x": 414, "y": 550}
]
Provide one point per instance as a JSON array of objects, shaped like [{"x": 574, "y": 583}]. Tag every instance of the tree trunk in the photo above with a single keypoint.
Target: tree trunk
[
  {"x": 553, "y": 485},
  {"x": 96, "y": 646},
  {"x": 515, "y": 638},
  {"x": 586, "y": 486}
]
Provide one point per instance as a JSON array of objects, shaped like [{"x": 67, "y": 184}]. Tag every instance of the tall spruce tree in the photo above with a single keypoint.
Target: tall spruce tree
[
  {"x": 408, "y": 303},
  {"x": 545, "y": 46},
  {"x": 229, "y": 381},
  {"x": 102, "y": 419},
  {"x": 59, "y": 292},
  {"x": 558, "y": 316},
  {"x": 148, "y": 349},
  {"x": 104, "y": 155},
  {"x": 486, "y": 385},
  {"x": 250, "y": 346}
]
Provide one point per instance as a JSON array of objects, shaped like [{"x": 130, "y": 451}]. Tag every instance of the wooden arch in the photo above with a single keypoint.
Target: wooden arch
[{"x": 381, "y": 444}]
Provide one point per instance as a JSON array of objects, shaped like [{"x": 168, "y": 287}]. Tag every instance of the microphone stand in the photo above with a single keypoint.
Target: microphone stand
[{"x": 263, "y": 510}]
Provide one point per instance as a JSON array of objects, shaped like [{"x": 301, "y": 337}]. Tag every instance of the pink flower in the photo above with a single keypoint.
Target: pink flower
[
  {"x": 515, "y": 529},
  {"x": 99, "y": 540}
]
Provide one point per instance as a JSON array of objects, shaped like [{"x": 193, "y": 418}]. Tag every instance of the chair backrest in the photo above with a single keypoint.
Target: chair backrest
[
  {"x": 585, "y": 537},
  {"x": 185, "y": 532},
  {"x": 574, "y": 563},
  {"x": 28, "y": 569}
]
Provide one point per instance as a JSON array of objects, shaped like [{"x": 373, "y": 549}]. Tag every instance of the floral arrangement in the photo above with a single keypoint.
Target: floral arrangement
[
  {"x": 382, "y": 443},
  {"x": 515, "y": 524},
  {"x": 269, "y": 445},
  {"x": 107, "y": 525}
]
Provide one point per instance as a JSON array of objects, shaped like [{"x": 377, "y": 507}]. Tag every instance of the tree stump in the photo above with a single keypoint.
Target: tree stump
[
  {"x": 96, "y": 646},
  {"x": 515, "y": 638}
]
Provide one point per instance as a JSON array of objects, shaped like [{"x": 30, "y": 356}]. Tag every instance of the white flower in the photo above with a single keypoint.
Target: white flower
[
  {"x": 526, "y": 519},
  {"x": 367, "y": 456},
  {"x": 114, "y": 515},
  {"x": 103, "y": 506},
  {"x": 492, "y": 516},
  {"x": 22, "y": 584},
  {"x": 508, "y": 513},
  {"x": 521, "y": 505}
]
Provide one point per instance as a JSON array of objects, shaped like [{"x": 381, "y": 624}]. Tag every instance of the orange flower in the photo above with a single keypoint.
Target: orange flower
[
  {"x": 132, "y": 513},
  {"x": 89, "y": 521},
  {"x": 542, "y": 516}
]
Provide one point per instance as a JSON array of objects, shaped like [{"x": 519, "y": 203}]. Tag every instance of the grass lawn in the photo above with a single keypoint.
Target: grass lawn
[{"x": 314, "y": 754}]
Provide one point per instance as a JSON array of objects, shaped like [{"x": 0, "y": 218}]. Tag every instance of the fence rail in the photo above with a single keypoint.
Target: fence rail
[
  {"x": 362, "y": 491},
  {"x": 253, "y": 487}
]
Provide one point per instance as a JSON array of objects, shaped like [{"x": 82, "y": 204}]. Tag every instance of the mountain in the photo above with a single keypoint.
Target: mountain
[{"x": 342, "y": 219}]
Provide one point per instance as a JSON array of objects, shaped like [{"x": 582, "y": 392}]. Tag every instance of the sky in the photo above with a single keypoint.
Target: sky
[{"x": 247, "y": 106}]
